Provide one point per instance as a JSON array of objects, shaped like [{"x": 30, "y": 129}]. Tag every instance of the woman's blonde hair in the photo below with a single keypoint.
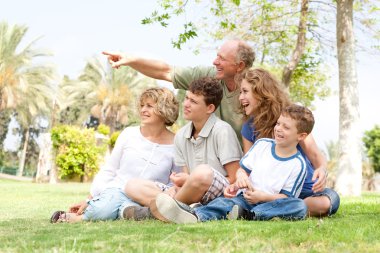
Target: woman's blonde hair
[
  {"x": 166, "y": 103},
  {"x": 271, "y": 98}
]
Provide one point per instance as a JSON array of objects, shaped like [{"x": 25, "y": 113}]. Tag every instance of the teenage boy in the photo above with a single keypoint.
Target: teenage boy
[
  {"x": 207, "y": 149},
  {"x": 268, "y": 183}
]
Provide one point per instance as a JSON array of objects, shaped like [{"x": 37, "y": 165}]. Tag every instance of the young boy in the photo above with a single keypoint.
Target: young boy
[
  {"x": 207, "y": 149},
  {"x": 268, "y": 183}
]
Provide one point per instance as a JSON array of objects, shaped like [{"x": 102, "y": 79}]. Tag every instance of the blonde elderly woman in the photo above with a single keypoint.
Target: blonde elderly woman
[{"x": 145, "y": 152}]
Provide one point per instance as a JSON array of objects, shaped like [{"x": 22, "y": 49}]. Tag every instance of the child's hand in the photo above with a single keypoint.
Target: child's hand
[
  {"x": 320, "y": 184},
  {"x": 254, "y": 196},
  {"x": 179, "y": 179},
  {"x": 242, "y": 180},
  {"x": 172, "y": 191},
  {"x": 78, "y": 208},
  {"x": 230, "y": 191}
]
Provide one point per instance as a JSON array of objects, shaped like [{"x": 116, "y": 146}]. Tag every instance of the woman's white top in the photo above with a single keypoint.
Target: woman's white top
[{"x": 135, "y": 157}]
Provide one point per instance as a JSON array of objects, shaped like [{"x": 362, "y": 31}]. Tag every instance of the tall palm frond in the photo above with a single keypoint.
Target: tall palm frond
[
  {"x": 26, "y": 87},
  {"x": 106, "y": 93}
]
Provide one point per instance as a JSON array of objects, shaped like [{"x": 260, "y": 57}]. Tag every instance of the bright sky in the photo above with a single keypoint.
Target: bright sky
[{"x": 78, "y": 30}]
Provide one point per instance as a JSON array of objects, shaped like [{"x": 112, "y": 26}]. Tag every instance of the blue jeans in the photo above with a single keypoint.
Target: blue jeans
[
  {"x": 286, "y": 208},
  {"x": 330, "y": 193},
  {"x": 109, "y": 205}
]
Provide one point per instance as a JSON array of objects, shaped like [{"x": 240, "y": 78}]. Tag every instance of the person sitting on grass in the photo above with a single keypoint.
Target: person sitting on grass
[
  {"x": 207, "y": 149},
  {"x": 144, "y": 151},
  {"x": 262, "y": 99},
  {"x": 268, "y": 183}
]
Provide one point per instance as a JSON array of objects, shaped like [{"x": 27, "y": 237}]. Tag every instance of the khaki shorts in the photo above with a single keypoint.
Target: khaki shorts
[{"x": 219, "y": 183}]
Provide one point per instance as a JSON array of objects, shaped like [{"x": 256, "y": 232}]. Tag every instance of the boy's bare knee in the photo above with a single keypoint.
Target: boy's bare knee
[
  {"x": 318, "y": 206},
  {"x": 131, "y": 186},
  {"x": 202, "y": 176}
]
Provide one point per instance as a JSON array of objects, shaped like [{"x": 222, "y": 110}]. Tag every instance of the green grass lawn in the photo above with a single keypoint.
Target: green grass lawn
[{"x": 25, "y": 209}]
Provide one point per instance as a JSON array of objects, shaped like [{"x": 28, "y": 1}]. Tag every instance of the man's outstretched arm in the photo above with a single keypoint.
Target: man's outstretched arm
[{"x": 152, "y": 68}]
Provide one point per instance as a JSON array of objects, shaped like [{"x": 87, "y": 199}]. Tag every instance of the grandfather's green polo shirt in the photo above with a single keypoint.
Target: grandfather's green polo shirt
[
  {"x": 216, "y": 145},
  {"x": 228, "y": 109}
]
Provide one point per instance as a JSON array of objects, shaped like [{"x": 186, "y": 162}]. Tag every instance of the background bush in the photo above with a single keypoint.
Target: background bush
[
  {"x": 103, "y": 129},
  {"x": 113, "y": 139},
  {"x": 76, "y": 152},
  {"x": 371, "y": 141}
]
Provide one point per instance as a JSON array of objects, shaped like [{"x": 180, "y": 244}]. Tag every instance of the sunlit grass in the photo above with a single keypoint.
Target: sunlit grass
[{"x": 25, "y": 209}]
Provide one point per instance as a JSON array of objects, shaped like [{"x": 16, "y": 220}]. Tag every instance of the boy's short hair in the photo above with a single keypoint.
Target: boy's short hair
[
  {"x": 210, "y": 88},
  {"x": 303, "y": 116},
  {"x": 166, "y": 103}
]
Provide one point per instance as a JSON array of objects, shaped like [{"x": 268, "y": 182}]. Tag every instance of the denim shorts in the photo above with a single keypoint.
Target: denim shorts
[
  {"x": 109, "y": 205},
  {"x": 330, "y": 193}
]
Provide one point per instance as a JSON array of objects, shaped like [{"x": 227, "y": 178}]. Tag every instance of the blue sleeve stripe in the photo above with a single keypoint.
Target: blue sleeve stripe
[
  {"x": 304, "y": 173},
  {"x": 299, "y": 188},
  {"x": 300, "y": 178},
  {"x": 243, "y": 167}
]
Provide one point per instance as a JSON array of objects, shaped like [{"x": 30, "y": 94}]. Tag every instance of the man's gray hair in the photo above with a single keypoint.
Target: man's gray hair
[{"x": 245, "y": 54}]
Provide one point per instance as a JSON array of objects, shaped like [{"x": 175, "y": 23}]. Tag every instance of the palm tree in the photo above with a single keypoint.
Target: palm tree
[
  {"x": 25, "y": 87},
  {"x": 107, "y": 94}
]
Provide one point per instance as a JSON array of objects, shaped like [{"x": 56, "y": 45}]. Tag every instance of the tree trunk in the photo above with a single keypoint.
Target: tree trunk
[
  {"x": 300, "y": 46},
  {"x": 23, "y": 155},
  {"x": 45, "y": 159},
  {"x": 349, "y": 174},
  {"x": 53, "y": 175}
]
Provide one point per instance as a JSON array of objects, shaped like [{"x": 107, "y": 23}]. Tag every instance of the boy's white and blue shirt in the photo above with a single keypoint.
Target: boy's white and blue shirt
[{"x": 273, "y": 174}]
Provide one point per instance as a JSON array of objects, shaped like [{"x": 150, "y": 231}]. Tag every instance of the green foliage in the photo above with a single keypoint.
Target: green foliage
[
  {"x": 2, "y": 156},
  {"x": 76, "y": 151},
  {"x": 9, "y": 159},
  {"x": 33, "y": 151},
  {"x": 103, "y": 129},
  {"x": 367, "y": 23},
  {"x": 371, "y": 141},
  {"x": 271, "y": 27},
  {"x": 5, "y": 118},
  {"x": 113, "y": 138},
  {"x": 25, "y": 85},
  {"x": 155, "y": 17},
  {"x": 308, "y": 81},
  {"x": 188, "y": 34}
]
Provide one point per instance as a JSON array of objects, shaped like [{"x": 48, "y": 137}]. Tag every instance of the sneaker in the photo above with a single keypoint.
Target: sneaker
[
  {"x": 239, "y": 213},
  {"x": 137, "y": 213},
  {"x": 196, "y": 205},
  {"x": 167, "y": 209}
]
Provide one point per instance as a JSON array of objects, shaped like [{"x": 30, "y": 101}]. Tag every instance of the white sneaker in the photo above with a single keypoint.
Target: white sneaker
[{"x": 167, "y": 209}]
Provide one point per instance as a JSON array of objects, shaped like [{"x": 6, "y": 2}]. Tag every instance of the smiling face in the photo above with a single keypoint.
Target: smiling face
[
  {"x": 148, "y": 114},
  {"x": 246, "y": 97},
  {"x": 286, "y": 133},
  {"x": 225, "y": 62}
]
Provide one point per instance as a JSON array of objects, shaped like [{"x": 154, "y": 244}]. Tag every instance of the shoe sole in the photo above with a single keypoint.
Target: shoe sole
[
  {"x": 56, "y": 215},
  {"x": 165, "y": 208},
  {"x": 234, "y": 214},
  {"x": 136, "y": 213}
]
